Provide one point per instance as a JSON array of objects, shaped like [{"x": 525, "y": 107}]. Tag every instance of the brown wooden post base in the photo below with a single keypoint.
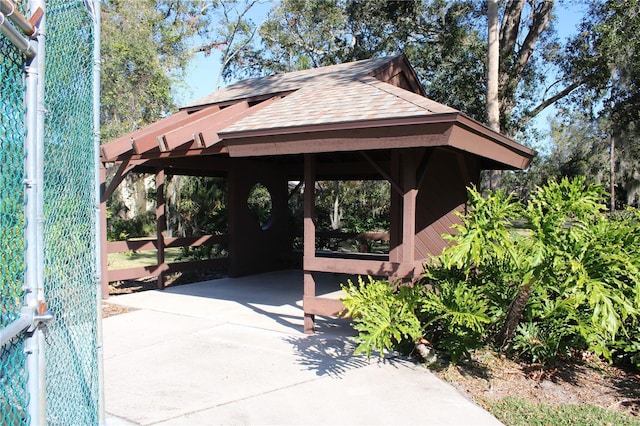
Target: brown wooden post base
[
  {"x": 309, "y": 292},
  {"x": 309, "y": 324}
]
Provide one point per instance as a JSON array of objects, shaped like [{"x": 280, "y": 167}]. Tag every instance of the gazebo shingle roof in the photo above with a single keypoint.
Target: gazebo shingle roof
[
  {"x": 374, "y": 93},
  {"x": 286, "y": 82},
  {"x": 324, "y": 101},
  {"x": 334, "y": 94}
]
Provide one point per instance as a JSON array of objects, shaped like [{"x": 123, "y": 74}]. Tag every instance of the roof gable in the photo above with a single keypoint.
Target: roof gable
[{"x": 395, "y": 70}]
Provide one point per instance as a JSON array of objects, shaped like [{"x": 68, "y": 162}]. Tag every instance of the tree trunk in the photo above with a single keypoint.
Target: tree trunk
[
  {"x": 493, "y": 64},
  {"x": 612, "y": 171},
  {"x": 516, "y": 48},
  {"x": 335, "y": 215},
  {"x": 493, "y": 68},
  {"x": 516, "y": 309}
]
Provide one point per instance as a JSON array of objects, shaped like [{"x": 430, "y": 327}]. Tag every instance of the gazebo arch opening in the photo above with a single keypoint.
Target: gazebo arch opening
[{"x": 260, "y": 205}]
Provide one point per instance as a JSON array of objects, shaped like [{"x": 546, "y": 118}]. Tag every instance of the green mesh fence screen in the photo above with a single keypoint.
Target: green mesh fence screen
[
  {"x": 71, "y": 347},
  {"x": 13, "y": 375},
  {"x": 69, "y": 229}
]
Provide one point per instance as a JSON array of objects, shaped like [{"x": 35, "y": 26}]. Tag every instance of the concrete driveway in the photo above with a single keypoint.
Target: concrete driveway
[{"x": 232, "y": 352}]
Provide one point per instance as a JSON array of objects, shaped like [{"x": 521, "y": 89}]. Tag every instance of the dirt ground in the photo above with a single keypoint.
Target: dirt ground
[{"x": 490, "y": 376}]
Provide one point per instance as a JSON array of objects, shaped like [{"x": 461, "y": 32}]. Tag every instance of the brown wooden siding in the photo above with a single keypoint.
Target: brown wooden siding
[{"x": 443, "y": 191}]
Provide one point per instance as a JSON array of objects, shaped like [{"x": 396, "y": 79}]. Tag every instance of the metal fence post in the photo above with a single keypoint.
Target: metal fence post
[
  {"x": 34, "y": 291},
  {"x": 40, "y": 114},
  {"x": 97, "y": 206}
]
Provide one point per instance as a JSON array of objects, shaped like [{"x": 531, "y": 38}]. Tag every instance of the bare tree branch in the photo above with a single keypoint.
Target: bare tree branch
[
  {"x": 229, "y": 57},
  {"x": 228, "y": 54},
  {"x": 550, "y": 101}
]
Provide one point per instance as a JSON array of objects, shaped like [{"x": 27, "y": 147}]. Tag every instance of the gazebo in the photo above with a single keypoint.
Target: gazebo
[{"x": 361, "y": 120}]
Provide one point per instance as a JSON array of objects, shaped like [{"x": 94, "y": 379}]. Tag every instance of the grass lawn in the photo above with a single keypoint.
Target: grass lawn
[
  {"x": 521, "y": 412},
  {"x": 141, "y": 258}
]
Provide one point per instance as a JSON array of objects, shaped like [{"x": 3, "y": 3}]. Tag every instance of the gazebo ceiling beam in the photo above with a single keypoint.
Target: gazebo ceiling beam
[
  {"x": 125, "y": 167},
  {"x": 421, "y": 170},
  {"x": 296, "y": 189},
  {"x": 201, "y": 163},
  {"x": 186, "y": 152},
  {"x": 464, "y": 168},
  {"x": 396, "y": 187}
]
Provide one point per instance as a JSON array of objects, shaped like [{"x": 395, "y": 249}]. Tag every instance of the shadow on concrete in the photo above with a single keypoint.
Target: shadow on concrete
[
  {"x": 326, "y": 356},
  {"x": 276, "y": 295},
  {"x": 331, "y": 351}
]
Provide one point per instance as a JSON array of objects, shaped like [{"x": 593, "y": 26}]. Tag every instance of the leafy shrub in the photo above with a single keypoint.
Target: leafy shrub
[
  {"x": 383, "y": 316},
  {"x": 119, "y": 229},
  {"x": 576, "y": 271},
  {"x": 455, "y": 317},
  {"x": 568, "y": 280},
  {"x": 203, "y": 252},
  {"x": 544, "y": 342}
]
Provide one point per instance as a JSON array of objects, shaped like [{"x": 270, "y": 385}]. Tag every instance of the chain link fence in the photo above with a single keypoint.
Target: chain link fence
[
  {"x": 69, "y": 257},
  {"x": 69, "y": 200},
  {"x": 13, "y": 373}
]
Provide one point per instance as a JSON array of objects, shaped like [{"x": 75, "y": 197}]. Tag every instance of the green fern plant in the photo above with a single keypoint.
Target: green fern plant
[
  {"x": 484, "y": 234},
  {"x": 383, "y": 316},
  {"x": 456, "y": 318}
]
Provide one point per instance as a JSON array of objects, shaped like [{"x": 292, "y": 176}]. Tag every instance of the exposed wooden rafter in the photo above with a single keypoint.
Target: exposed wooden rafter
[
  {"x": 193, "y": 132},
  {"x": 148, "y": 139},
  {"x": 396, "y": 187},
  {"x": 421, "y": 171},
  {"x": 126, "y": 166}
]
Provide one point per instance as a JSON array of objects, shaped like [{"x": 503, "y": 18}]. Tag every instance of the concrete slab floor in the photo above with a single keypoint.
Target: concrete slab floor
[{"x": 232, "y": 351}]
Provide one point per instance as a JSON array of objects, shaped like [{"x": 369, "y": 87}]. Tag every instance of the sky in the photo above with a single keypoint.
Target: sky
[{"x": 203, "y": 70}]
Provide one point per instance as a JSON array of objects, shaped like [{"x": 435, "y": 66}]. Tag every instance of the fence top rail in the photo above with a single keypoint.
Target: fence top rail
[{"x": 27, "y": 26}]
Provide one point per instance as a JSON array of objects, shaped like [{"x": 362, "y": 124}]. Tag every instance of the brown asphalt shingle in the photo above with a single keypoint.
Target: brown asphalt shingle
[
  {"x": 292, "y": 81},
  {"x": 323, "y": 103},
  {"x": 334, "y": 94}
]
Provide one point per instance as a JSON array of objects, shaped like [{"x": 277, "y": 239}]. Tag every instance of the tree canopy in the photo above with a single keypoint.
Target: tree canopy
[
  {"x": 445, "y": 41},
  {"x": 144, "y": 48}
]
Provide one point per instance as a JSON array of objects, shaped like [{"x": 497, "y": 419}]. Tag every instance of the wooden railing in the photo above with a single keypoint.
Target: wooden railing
[
  {"x": 162, "y": 268},
  {"x": 362, "y": 237},
  {"x": 145, "y": 244}
]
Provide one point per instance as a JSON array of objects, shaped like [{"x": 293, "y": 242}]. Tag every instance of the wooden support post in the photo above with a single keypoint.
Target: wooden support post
[
  {"x": 409, "y": 208},
  {"x": 309, "y": 251},
  {"x": 104, "y": 264},
  {"x": 161, "y": 224},
  {"x": 395, "y": 231}
]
